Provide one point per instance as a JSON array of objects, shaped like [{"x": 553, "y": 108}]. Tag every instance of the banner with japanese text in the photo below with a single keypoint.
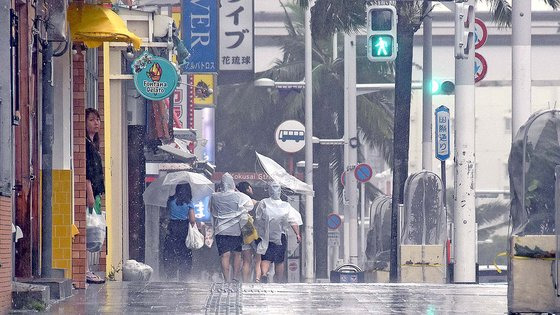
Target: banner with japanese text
[
  {"x": 200, "y": 35},
  {"x": 236, "y": 35}
]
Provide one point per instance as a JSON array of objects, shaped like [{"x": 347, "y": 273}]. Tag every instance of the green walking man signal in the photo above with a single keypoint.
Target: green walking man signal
[{"x": 382, "y": 33}]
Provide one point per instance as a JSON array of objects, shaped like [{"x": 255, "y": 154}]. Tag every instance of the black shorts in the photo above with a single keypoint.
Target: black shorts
[
  {"x": 276, "y": 253},
  {"x": 227, "y": 243}
]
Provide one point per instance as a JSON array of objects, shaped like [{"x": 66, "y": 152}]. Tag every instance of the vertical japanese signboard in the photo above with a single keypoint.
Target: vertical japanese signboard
[
  {"x": 236, "y": 36},
  {"x": 442, "y": 133},
  {"x": 180, "y": 103},
  {"x": 200, "y": 35}
]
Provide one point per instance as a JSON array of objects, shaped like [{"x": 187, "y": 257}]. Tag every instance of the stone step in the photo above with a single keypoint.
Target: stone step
[
  {"x": 60, "y": 288},
  {"x": 30, "y": 296}
]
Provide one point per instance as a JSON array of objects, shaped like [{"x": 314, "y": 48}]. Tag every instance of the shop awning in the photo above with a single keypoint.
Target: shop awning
[{"x": 95, "y": 24}]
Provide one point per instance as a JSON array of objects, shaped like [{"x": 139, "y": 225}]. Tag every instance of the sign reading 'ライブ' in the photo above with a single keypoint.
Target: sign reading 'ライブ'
[
  {"x": 155, "y": 78},
  {"x": 236, "y": 35},
  {"x": 442, "y": 133}
]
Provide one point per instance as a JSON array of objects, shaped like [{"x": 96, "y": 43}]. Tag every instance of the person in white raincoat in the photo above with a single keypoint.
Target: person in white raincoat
[
  {"x": 229, "y": 209},
  {"x": 273, "y": 218}
]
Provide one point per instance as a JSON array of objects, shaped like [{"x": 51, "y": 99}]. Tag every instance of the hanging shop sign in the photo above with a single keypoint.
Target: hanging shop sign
[{"x": 155, "y": 78}]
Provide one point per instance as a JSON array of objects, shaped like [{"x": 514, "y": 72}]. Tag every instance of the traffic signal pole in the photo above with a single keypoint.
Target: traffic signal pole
[
  {"x": 427, "y": 93},
  {"x": 521, "y": 63},
  {"x": 464, "y": 213},
  {"x": 351, "y": 210}
]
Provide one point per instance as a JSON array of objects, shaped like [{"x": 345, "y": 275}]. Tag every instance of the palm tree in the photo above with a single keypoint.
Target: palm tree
[{"x": 260, "y": 111}]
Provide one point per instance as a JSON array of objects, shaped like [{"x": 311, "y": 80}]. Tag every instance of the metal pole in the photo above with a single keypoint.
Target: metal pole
[
  {"x": 335, "y": 250},
  {"x": 351, "y": 183},
  {"x": 444, "y": 183},
  {"x": 427, "y": 94},
  {"x": 346, "y": 152},
  {"x": 521, "y": 63},
  {"x": 309, "y": 275},
  {"x": 5, "y": 104},
  {"x": 362, "y": 252},
  {"x": 47, "y": 136},
  {"x": 464, "y": 217}
]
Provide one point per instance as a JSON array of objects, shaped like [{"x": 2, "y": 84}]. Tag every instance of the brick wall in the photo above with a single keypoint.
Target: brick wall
[
  {"x": 79, "y": 242},
  {"x": 5, "y": 254}
]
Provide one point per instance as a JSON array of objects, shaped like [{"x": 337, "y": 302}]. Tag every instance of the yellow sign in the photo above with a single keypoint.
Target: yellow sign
[{"x": 204, "y": 87}]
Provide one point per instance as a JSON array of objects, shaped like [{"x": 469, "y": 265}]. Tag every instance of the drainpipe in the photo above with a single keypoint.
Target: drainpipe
[
  {"x": 47, "y": 136},
  {"x": 5, "y": 104}
]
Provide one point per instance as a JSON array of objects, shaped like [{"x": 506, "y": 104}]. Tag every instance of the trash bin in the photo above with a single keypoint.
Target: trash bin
[{"x": 348, "y": 273}]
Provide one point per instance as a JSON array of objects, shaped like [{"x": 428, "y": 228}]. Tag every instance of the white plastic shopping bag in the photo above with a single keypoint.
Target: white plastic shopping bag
[
  {"x": 95, "y": 227},
  {"x": 195, "y": 239}
]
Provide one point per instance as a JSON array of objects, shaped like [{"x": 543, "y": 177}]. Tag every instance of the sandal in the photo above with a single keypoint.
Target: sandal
[{"x": 93, "y": 278}]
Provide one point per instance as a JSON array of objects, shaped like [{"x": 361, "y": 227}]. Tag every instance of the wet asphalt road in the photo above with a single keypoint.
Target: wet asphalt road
[{"x": 317, "y": 298}]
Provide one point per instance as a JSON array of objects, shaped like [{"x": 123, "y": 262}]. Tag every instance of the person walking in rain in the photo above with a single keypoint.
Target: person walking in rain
[
  {"x": 249, "y": 250},
  {"x": 229, "y": 209},
  {"x": 177, "y": 257},
  {"x": 273, "y": 218}
]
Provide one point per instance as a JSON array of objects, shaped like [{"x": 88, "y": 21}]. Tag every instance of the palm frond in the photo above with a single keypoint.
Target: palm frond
[
  {"x": 501, "y": 12},
  {"x": 554, "y": 4}
]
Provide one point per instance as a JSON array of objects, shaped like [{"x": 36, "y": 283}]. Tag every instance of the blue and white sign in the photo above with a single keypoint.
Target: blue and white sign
[
  {"x": 200, "y": 35},
  {"x": 155, "y": 78},
  {"x": 363, "y": 172},
  {"x": 201, "y": 211},
  {"x": 334, "y": 221},
  {"x": 442, "y": 133},
  {"x": 290, "y": 136}
]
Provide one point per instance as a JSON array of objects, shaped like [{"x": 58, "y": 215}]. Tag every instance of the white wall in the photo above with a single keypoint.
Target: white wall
[{"x": 62, "y": 146}]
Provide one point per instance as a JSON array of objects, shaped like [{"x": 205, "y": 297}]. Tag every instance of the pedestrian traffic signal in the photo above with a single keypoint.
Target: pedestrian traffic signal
[
  {"x": 381, "y": 33},
  {"x": 442, "y": 87},
  {"x": 464, "y": 30}
]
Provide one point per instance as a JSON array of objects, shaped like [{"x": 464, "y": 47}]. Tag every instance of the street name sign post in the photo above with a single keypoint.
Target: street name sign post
[{"x": 443, "y": 142}]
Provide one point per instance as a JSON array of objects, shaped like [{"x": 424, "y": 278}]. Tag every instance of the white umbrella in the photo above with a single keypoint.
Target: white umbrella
[
  {"x": 281, "y": 176},
  {"x": 161, "y": 189}
]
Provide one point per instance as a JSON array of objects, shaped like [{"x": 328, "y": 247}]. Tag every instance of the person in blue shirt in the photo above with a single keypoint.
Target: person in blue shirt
[{"x": 177, "y": 258}]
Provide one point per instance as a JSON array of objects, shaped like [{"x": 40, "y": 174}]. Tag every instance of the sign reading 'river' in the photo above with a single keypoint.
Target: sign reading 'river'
[{"x": 154, "y": 77}]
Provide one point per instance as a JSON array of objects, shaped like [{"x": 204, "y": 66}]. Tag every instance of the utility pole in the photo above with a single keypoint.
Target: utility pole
[
  {"x": 351, "y": 213},
  {"x": 464, "y": 215},
  {"x": 346, "y": 154},
  {"x": 520, "y": 64},
  {"x": 47, "y": 138},
  {"x": 427, "y": 93},
  {"x": 335, "y": 250},
  {"x": 309, "y": 275}
]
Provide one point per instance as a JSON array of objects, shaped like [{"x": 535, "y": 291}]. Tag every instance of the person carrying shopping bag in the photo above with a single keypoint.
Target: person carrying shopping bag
[
  {"x": 95, "y": 188},
  {"x": 177, "y": 258}
]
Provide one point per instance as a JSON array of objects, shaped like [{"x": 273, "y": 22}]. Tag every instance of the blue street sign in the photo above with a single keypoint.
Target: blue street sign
[
  {"x": 443, "y": 133},
  {"x": 334, "y": 221},
  {"x": 363, "y": 172},
  {"x": 155, "y": 78},
  {"x": 200, "y": 35},
  {"x": 201, "y": 211}
]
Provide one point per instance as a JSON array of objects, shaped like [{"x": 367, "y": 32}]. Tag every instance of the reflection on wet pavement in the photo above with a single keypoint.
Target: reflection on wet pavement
[{"x": 218, "y": 298}]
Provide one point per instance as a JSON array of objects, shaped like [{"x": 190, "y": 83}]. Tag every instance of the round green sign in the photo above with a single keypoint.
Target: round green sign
[{"x": 154, "y": 77}]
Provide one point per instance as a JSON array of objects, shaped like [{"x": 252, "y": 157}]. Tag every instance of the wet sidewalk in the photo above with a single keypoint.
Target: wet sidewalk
[{"x": 317, "y": 298}]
